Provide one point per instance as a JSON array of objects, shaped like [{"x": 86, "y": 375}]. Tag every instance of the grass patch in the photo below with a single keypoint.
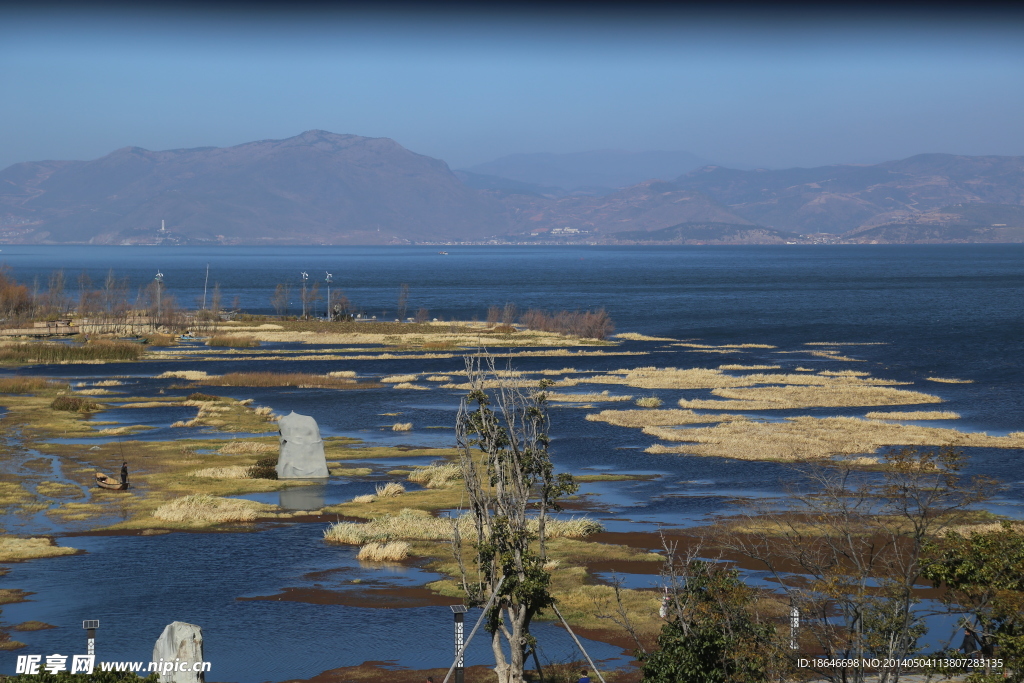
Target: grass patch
[
  {"x": 226, "y": 472},
  {"x": 949, "y": 380},
  {"x": 160, "y": 340},
  {"x": 233, "y": 341},
  {"x": 32, "y": 626},
  {"x": 50, "y": 352},
  {"x": 56, "y": 489},
  {"x": 203, "y": 509},
  {"x": 395, "y": 551},
  {"x": 28, "y": 385},
  {"x": 390, "y": 490},
  {"x": 914, "y": 415},
  {"x": 813, "y": 396},
  {"x": 649, "y": 402},
  {"x": 73, "y": 404},
  {"x": 585, "y": 398},
  {"x": 13, "y": 548},
  {"x": 279, "y": 379},
  {"x": 202, "y": 397},
  {"x": 396, "y": 379},
  {"x": 657, "y": 418},
  {"x": 436, "y": 476},
  {"x": 239, "y": 447}
]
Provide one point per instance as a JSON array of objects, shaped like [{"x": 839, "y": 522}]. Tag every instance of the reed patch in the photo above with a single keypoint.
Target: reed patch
[
  {"x": 202, "y": 509},
  {"x": 14, "y": 549}
]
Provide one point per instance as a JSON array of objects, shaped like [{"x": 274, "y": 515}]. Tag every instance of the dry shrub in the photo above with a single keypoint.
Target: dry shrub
[
  {"x": 802, "y": 438},
  {"x": 396, "y": 551},
  {"x": 393, "y": 379},
  {"x": 234, "y": 342},
  {"x": 789, "y": 397},
  {"x": 279, "y": 379},
  {"x": 192, "y": 375},
  {"x": 949, "y": 380},
  {"x": 365, "y": 498},
  {"x": 12, "y": 549},
  {"x": 201, "y": 509},
  {"x": 587, "y": 324},
  {"x": 228, "y": 472},
  {"x": 914, "y": 415},
  {"x": 265, "y": 411},
  {"x": 25, "y": 385},
  {"x": 263, "y": 469},
  {"x": 390, "y": 490},
  {"x": 402, "y": 427},
  {"x": 436, "y": 476},
  {"x": 585, "y": 398},
  {"x": 202, "y": 397},
  {"x": 74, "y": 404},
  {"x": 239, "y": 447},
  {"x": 649, "y": 402}
]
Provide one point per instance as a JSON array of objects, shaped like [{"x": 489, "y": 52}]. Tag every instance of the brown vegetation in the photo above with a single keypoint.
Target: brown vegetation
[
  {"x": 232, "y": 341},
  {"x": 74, "y": 404},
  {"x": 277, "y": 379},
  {"x": 588, "y": 324},
  {"x": 27, "y": 385},
  {"x": 50, "y": 352}
]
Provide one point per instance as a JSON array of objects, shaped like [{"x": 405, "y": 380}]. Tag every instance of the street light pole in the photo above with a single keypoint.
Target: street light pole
[
  {"x": 159, "y": 285},
  {"x": 460, "y": 613},
  {"x": 330, "y": 311},
  {"x": 90, "y": 626},
  {"x": 305, "y": 276}
]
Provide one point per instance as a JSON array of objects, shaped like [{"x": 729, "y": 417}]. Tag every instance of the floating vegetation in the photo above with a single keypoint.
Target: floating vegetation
[
  {"x": 649, "y": 402},
  {"x": 402, "y": 427},
  {"x": 343, "y": 373},
  {"x": 949, "y": 380},
  {"x": 636, "y": 336},
  {"x": 281, "y": 379},
  {"x": 734, "y": 366},
  {"x": 393, "y": 379},
  {"x": 408, "y": 385},
  {"x": 658, "y": 418},
  {"x": 914, "y": 415},
  {"x": 439, "y": 378},
  {"x": 192, "y": 375}
]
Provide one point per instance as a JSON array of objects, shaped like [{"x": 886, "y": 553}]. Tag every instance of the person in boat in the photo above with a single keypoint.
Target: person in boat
[{"x": 124, "y": 473}]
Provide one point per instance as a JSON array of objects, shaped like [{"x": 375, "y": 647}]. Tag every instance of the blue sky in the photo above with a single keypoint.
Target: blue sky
[{"x": 735, "y": 88}]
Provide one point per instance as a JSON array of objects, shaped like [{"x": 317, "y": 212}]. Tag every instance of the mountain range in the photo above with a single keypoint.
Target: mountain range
[{"x": 321, "y": 187}]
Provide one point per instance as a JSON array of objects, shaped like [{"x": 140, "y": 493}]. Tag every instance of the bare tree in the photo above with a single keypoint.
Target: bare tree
[
  {"x": 279, "y": 300},
  {"x": 512, "y": 488},
  {"x": 849, "y": 551}
]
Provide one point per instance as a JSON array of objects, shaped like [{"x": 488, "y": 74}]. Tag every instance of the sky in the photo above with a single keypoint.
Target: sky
[{"x": 739, "y": 86}]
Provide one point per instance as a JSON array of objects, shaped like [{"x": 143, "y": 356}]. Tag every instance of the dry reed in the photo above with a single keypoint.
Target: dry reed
[
  {"x": 192, "y": 375},
  {"x": 734, "y": 366},
  {"x": 914, "y": 415},
  {"x": 402, "y": 427},
  {"x": 234, "y": 342},
  {"x": 280, "y": 379},
  {"x": 26, "y": 385},
  {"x": 395, "y": 379},
  {"x": 790, "y": 397},
  {"x": 227, "y": 472},
  {"x": 389, "y": 490},
  {"x": 585, "y": 398},
  {"x": 949, "y": 380},
  {"x": 439, "y": 378},
  {"x": 395, "y": 551},
  {"x": 636, "y": 336},
  {"x": 12, "y": 548},
  {"x": 657, "y": 418},
  {"x": 436, "y": 476},
  {"x": 202, "y": 509},
  {"x": 649, "y": 402},
  {"x": 409, "y": 385},
  {"x": 239, "y": 447}
]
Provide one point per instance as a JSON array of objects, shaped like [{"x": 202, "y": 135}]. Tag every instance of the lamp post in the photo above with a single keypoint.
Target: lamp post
[
  {"x": 305, "y": 276},
  {"x": 794, "y": 627},
  {"x": 159, "y": 285},
  {"x": 90, "y": 626},
  {"x": 459, "y": 612},
  {"x": 330, "y": 311}
]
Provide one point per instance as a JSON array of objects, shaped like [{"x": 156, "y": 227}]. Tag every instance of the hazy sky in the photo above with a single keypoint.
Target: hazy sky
[{"x": 789, "y": 89}]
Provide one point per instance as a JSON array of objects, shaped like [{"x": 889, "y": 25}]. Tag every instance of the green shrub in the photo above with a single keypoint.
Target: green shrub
[{"x": 202, "y": 397}]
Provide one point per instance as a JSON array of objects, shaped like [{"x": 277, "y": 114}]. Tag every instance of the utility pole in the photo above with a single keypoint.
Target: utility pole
[
  {"x": 460, "y": 614},
  {"x": 159, "y": 285},
  {"x": 206, "y": 282}
]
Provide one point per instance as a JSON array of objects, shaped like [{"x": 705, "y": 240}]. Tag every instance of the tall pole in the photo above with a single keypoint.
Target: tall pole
[
  {"x": 206, "y": 282},
  {"x": 305, "y": 276},
  {"x": 460, "y": 614},
  {"x": 330, "y": 311},
  {"x": 159, "y": 284}
]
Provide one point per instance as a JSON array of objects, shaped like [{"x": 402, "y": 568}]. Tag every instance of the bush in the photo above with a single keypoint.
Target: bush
[
  {"x": 74, "y": 404},
  {"x": 649, "y": 402},
  {"x": 588, "y": 324},
  {"x": 263, "y": 469},
  {"x": 202, "y": 397},
  {"x": 159, "y": 340}
]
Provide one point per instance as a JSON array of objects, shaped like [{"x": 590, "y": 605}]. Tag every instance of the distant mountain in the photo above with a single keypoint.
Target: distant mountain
[
  {"x": 315, "y": 187},
  {"x": 591, "y": 172},
  {"x": 707, "y": 233},
  {"x": 839, "y": 199},
  {"x": 651, "y": 205}
]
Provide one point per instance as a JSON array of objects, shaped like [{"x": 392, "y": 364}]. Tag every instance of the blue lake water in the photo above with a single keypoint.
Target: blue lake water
[{"x": 918, "y": 311}]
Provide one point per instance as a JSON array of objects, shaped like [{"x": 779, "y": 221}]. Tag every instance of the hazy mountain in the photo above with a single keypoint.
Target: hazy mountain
[
  {"x": 839, "y": 199},
  {"x": 591, "y": 172},
  {"x": 651, "y": 205},
  {"x": 315, "y": 187}
]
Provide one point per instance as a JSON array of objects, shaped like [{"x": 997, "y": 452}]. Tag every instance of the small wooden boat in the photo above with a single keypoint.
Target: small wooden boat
[{"x": 105, "y": 482}]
